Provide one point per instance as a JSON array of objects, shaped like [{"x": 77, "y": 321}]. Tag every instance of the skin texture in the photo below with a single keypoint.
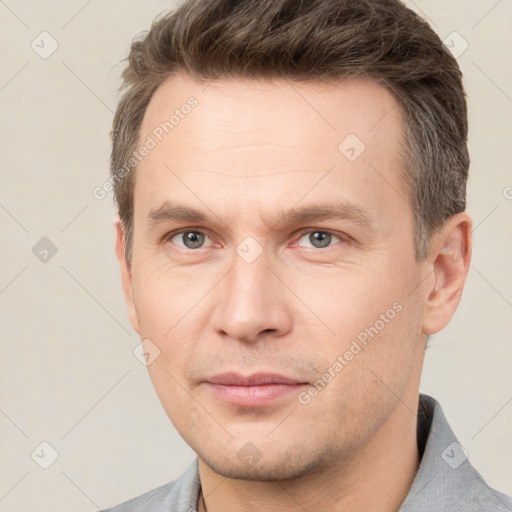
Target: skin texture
[{"x": 246, "y": 154}]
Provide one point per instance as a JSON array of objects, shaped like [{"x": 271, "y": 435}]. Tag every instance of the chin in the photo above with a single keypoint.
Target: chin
[{"x": 285, "y": 466}]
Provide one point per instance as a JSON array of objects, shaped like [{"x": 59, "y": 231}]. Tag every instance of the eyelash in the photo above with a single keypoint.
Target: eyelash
[{"x": 341, "y": 236}]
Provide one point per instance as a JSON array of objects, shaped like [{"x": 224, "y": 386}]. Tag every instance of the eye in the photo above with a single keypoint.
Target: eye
[
  {"x": 320, "y": 239},
  {"x": 190, "y": 239},
  {"x": 194, "y": 239}
]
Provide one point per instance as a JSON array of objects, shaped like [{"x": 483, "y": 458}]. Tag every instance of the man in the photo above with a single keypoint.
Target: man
[{"x": 290, "y": 178}]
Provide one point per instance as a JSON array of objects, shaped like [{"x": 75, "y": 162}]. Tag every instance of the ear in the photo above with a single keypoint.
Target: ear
[
  {"x": 450, "y": 254},
  {"x": 126, "y": 274}
]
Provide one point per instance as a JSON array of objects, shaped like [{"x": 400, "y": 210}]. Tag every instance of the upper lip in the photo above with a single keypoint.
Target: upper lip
[{"x": 256, "y": 379}]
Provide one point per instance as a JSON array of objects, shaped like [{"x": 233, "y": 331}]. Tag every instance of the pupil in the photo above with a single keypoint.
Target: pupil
[
  {"x": 193, "y": 239},
  {"x": 323, "y": 239}
]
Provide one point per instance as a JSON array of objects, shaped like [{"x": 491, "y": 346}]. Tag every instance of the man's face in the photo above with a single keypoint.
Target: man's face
[{"x": 251, "y": 288}]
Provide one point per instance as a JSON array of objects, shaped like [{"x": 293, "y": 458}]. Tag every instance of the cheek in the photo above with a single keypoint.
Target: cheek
[
  {"x": 366, "y": 372},
  {"x": 166, "y": 298},
  {"x": 370, "y": 327},
  {"x": 339, "y": 302},
  {"x": 167, "y": 310}
]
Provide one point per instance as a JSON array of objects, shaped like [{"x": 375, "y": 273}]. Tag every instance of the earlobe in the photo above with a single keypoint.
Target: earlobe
[
  {"x": 450, "y": 256},
  {"x": 126, "y": 274}
]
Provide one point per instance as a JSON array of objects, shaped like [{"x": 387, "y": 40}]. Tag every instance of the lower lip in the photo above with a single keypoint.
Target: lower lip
[{"x": 251, "y": 396}]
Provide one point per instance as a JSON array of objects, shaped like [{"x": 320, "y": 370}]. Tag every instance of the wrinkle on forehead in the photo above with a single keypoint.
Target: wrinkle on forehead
[{"x": 265, "y": 175}]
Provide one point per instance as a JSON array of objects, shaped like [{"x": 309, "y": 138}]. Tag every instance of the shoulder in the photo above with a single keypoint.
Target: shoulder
[
  {"x": 446, "y": 480},
  {"x": 180, "y": 495},
  {"x": 153, "y": 500}
]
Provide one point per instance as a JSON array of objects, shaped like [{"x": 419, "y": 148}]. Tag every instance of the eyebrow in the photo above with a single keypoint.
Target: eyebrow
[
  {"x": 351, "y": 212},
  {"x": 168, "y": 211}
]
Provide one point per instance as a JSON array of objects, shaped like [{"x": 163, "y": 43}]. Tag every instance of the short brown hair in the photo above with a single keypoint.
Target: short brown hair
[{"x": 313, "y": 40}]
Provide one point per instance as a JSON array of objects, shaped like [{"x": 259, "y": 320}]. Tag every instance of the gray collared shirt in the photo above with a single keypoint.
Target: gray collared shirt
[{"x": 445, "y": 481}]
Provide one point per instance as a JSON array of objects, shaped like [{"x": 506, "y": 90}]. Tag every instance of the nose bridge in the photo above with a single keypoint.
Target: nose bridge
[
  {"x": 248, "y": 280},
  {"x": 248, "y": 303}
]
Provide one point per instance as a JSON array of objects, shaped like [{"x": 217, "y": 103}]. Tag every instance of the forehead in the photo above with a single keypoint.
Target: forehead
[
  {"x": 255, "y": 139},
  {"x": 358, "y": 106}
]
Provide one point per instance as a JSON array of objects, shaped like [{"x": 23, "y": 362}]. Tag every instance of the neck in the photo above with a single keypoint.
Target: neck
[{"x": 377, "y": 477}]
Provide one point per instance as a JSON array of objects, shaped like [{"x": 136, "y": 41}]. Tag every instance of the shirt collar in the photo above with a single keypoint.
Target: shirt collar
[{"x": 446, "y": 480}]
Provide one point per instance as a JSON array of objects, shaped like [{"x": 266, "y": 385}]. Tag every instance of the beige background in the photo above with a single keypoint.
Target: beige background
[{"x": 68, "y": 375}]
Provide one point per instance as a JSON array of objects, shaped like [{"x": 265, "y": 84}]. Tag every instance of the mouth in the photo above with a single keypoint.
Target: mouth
[{"x": 253, "y": 390}]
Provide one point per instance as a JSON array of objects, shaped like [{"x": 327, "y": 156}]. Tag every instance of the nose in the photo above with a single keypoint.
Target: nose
[{"x": 252, "y": 302}]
